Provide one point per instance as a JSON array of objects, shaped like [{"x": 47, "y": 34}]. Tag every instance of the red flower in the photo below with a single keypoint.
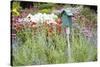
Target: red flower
[
  {"x": 58, "y": 26},
  {"x": 33, "y": 25}
]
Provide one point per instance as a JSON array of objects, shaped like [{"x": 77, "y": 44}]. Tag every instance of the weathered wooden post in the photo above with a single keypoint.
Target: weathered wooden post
[{"x": 67, "y": 23}]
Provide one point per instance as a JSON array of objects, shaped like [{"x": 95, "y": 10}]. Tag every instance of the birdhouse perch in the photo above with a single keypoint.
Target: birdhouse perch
[
  {"x": 67, "y": 23},
  {"x": 66, "y": 16}
]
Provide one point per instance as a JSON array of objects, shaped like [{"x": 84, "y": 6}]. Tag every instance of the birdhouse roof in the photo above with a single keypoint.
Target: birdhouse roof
[{"x": 68, "y": 12}]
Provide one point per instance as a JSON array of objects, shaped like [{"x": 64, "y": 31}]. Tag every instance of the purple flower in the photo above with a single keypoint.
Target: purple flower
[{"x": 87, "y": 32}]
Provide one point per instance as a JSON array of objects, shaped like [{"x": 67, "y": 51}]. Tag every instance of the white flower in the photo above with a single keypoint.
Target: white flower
[{"x": 40, "y": 18}]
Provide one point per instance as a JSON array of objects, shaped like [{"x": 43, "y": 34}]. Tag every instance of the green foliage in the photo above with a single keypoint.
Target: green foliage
[
  {"x": 82, "y": 49},
  {"x": 45, "y": 11},
  {"x": 88, "y": 13},
  {"x": 37, "y": 48},
  {"x": 34, "y": 48},
  {"x": 91, "y": 17},
  {"x": 46, "y": 5}
]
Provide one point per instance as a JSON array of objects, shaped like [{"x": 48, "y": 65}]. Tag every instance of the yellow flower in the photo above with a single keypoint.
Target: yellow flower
[{"x": 15, "y": 11}]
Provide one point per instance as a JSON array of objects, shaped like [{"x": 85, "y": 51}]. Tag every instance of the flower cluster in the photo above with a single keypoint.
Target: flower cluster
[{"x": 51, "y": 21}]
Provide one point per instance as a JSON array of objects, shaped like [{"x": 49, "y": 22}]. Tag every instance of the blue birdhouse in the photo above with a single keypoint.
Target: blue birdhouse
[{"x": 66, "y": 16}]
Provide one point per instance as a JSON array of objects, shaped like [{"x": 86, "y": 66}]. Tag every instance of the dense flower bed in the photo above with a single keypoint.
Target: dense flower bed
[{"x": 40, "y": 38}]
